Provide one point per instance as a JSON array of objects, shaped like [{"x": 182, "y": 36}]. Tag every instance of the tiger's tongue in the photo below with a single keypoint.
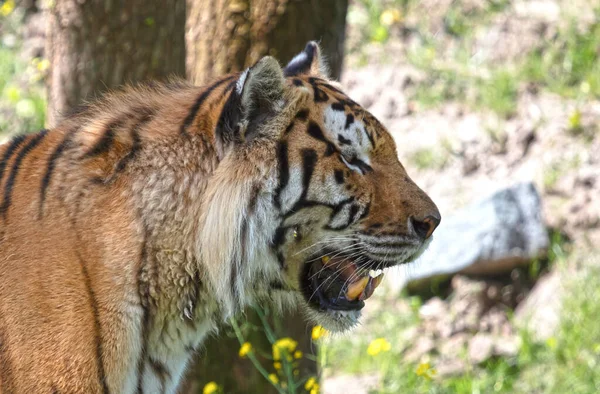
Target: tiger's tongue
[{"x": 360, "y": 287}]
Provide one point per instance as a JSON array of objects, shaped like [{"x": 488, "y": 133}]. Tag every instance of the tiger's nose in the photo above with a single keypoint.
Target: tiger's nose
[{"x": 426, "y": 226}]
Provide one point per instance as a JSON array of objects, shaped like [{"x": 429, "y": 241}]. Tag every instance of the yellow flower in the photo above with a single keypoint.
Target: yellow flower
[
  {"x": 377, "y": 346},
  {"x": 425, "y": 370},
  {"x": 389, "y": 17},
  {"x": 245, "y": 349},
  {"x": 286, "y": 345},
  {"x": 277, "y": 365},
  {"x": 315, "y": 389},
  {"x": 310, "y": 383},
  {"x": 273, "y": 378},
  {"x": 210, "y": 388},
  {"x": 318, "y": 332},
  {"x": 7, "y": 7},
  {"x": 297, "y": 354}
]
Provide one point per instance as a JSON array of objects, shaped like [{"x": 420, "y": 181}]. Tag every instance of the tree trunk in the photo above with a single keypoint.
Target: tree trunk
[
  {"x": 224, "y": 36},
  {"x": 96, "y": 45},
  {"x": 228, "y": 35}
]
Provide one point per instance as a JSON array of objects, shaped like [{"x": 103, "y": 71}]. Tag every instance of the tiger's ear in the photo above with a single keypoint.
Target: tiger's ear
[
  {"x": 307, "y": 62},
  {"x": 256, "y": 96}
]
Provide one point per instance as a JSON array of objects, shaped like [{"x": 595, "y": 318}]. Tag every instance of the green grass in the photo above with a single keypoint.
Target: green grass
[
  {"x": 569, "y": 64},
  {"x": 429, "y": 158}
]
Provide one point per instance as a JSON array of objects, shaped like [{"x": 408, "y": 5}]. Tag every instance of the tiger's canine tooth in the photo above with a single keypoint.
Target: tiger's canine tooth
[
  {"x": 377, "y": 280},
  {"x": 355, "y": 289}
]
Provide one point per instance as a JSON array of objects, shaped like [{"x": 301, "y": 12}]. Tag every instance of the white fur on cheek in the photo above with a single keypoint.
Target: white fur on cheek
[
  {"x": 335, "y": 122},
  {"x": 233, "y": 239}
]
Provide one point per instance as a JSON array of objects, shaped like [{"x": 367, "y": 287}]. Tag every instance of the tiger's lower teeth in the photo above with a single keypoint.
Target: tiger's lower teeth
[{"x": 375, "y": 273}]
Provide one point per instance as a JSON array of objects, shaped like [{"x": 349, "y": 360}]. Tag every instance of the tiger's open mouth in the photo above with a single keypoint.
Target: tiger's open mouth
[{"x": 337, "y": 283}]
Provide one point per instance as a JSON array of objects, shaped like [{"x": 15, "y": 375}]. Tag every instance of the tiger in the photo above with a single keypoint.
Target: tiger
[{"x": 148, "y": 218}]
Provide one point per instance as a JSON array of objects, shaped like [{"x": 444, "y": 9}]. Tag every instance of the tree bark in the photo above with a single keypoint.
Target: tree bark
[
  {"x": 96, "y": 45},
  {"x": 228, "y": 35},
  {"x": 225, "y": 36}
]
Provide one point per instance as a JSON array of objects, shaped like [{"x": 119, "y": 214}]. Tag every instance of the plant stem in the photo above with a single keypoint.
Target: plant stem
[
  {"x": 253, "y": 359},
  {"x": 268, "y": 331}
]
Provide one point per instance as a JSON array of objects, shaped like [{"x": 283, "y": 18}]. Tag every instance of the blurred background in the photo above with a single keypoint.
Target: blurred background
[{"x": 495, "y": 109}]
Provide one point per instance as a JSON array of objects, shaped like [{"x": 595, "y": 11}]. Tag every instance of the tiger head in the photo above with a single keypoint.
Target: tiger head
[{"x": 329, "y": 205}]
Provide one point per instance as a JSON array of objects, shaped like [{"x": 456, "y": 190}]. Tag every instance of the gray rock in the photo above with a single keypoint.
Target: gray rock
[
  {"x": 345, "y": 384},
  {"x": 481, "y": 348},
  {"x": 540, "y": 312},
  {"x": 489, "y": 237}
]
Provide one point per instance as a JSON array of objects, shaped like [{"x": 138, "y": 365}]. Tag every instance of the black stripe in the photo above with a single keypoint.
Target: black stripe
[
  {"x": 353, "y": 212},
  {"x": 65, "y": 143},
  {"x": 365, "y": 212},
  {"x": 349, "y": 121},
  {"x": 194, "y": 298},
  {"x": 97, "y": 328},
  {"x": 14, "y": 144},
  {"x": 189, "y": 119},
  {"x": 298, "y": 82},
  {"x": 238, "y": 260},
  {"x": 253, "y": 199},
  {"x": 289, "y": 127},
  {"x": 8, "y": 187},
  {"x": 343, "y": 140},
  {"x": 340, "y": 206},
  {"x": 281, "y": 260},
  {"x": 364, "y": 167},
  {"x": 136, "y": 144},
  {"x": 339, "y": 106},
  {"x": 105, "y": 142},
  {"x": 279, "y": 236},
  {"x": 161, "y": 371},
  {"x": 277, "y": 285},
  {"x": 284, "y": 171},
  {"x": 315, "y": 131},
  {"x": 227, "y": 129},
  {"x": 319, "y": 95},
  {"x": 331, "y": 87},
  {"x": 302, "y": 114},
  {"x": 339, "y": 176},
  {"x": 369, "y": 136},
  {"x": 310, "y": 204},
  {"x": 309, "y": 159},
  {"x": 144, "y": 294},
  {"x": 337, "y": 210}
]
